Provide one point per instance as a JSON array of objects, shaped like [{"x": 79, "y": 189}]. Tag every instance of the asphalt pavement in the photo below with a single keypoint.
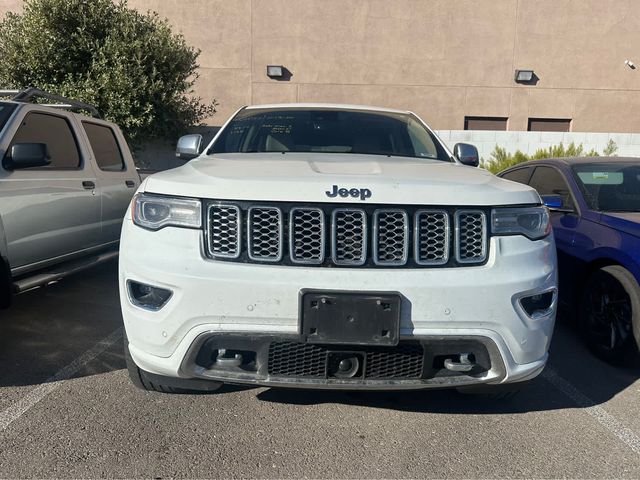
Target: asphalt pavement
[{"x": 68, "y": 410}]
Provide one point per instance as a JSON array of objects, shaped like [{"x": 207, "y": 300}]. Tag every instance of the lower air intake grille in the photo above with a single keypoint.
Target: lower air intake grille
[
  {"x": 297, "y": 360},
  {"x": 405, "y": 361},
  {"x": 290, "y": 359}
]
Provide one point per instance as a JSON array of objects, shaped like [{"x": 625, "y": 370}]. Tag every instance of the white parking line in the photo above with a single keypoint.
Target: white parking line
[
  {"x": 604, "y": 418},
  {"x": 19, "y": 408}
]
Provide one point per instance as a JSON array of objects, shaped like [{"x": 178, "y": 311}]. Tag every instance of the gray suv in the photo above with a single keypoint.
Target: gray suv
[{"x": 65, "y": 183}]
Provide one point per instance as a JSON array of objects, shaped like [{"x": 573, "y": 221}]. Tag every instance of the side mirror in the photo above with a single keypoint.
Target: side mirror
[
  {"x": 554, "y": 202},
  {"x": 467, "y": 154},
  {"x": 189, "y": 146},
  {"x": 27, "y": 155}
]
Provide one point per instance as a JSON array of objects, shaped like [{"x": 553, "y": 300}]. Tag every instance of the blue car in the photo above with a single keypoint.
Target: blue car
[{"x": 595, "y": 213}]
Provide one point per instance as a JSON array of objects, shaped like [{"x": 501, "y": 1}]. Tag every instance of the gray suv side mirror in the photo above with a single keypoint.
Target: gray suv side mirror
[
  {"x": 27, "y": 155},
  {"x": 467, "y": 154},
  {"x": 189, "y": 146}
]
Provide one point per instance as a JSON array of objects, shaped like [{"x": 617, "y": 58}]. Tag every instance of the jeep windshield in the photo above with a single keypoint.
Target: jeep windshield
[
  {"x": 328, "y": 131},
  {"x": 610, "y": 187},
  {"x": 5, "y": 113}
]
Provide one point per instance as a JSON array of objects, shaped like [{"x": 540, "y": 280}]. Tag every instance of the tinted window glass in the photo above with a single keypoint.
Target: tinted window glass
[
  {"x": 55, "y": 133},
  {"x": 5, "y": 112},
  {"x": 105, "y": 147},
  {"x": 548, "y": 181},
  {"x": 328, "y": 131},
  {"x": 485, "y": 123},
  {"x": 549, "y": 125},
  {"x": 610, "y": 186},
  {"x": 521, "y": 175}
]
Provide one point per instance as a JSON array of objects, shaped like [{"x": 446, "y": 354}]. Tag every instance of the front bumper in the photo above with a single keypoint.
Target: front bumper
[
  {"x": 286, "y": 361},
  {"x": 218, "y": 300}
]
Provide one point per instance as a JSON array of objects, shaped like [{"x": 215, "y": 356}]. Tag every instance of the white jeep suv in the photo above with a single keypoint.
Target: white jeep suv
[{"x": 334, "y": 246}]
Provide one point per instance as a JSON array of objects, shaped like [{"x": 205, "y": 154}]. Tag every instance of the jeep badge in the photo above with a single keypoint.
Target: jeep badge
[{"x": 363, "y": 193}]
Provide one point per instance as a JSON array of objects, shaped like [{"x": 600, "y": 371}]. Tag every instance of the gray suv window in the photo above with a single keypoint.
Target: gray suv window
[
  {"x": 105, "y": 147},
  {"x": 5, "y": 112},
  {"x": 53, "y": 131}
]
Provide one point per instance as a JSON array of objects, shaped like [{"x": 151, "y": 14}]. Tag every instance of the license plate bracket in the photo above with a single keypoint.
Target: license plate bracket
[{"x": 350, "y": 318}]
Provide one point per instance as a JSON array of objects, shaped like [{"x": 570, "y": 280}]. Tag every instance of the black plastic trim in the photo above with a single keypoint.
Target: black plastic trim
[{"x": 198, "y": 362}]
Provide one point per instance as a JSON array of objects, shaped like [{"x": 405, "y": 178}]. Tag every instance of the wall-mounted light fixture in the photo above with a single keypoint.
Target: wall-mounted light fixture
[
  {"x": 275, "y": 71},
  {"x": 524, "y": 76}
]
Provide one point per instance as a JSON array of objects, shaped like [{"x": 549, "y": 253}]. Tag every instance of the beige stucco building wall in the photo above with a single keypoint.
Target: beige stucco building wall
[{"x": 444, "y": 59}]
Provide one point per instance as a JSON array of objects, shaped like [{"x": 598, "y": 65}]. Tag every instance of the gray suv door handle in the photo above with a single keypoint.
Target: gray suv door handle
[
  {"x": 130, "y": 183},
  {"x": 88, "y": 185}
]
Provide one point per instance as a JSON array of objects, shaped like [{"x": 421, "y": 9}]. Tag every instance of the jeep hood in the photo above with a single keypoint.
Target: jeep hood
[{"x": 306, "y": 177}]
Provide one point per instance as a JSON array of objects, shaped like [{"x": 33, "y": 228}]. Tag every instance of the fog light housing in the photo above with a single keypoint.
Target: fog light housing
[
  {"x": 539, "y": 305},
  {"x": 147, "y": 296}
]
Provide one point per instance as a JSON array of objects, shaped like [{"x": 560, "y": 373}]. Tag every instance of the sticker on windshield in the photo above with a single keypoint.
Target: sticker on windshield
[{"x": 601, "y": 178}]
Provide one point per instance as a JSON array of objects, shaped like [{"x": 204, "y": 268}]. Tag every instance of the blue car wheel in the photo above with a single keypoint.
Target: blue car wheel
[{"x": 611, "y": 311}]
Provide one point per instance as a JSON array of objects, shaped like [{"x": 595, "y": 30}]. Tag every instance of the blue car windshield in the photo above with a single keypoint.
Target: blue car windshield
[
  {"x": 610, "y": 187},
  {"x": 328, "y": 131}
]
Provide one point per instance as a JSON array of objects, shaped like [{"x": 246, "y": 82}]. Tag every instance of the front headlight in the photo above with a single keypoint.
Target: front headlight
[
  {"x": 532, "y": 222},
  {"x": 155, "y": 211}
]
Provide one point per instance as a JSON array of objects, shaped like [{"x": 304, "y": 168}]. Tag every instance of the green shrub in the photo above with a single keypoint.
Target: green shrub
[
  {"x": 610, "y": 149},
  {"x": 131, "y": 66},
  {"x": 501, "y": 160}
]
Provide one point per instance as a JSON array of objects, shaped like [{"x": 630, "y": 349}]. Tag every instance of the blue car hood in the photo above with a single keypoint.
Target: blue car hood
[{"x": 628, "y": 222}]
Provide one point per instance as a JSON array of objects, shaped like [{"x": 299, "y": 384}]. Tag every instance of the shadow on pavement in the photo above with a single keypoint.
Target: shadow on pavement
[{"x": 46, "y": 329}]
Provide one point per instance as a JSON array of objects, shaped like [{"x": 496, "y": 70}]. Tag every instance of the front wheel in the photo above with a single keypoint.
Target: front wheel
[
  {"x": 6, "y": 294},
  {"x": 157, "y": 383},
  {"x": 611, "y": 314}
]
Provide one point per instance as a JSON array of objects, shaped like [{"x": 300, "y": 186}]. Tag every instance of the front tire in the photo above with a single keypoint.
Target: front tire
[
  {"x": 610, "y": 317},
  {"x": 158, "y": 383},
  {"x": 6, "y": 294}
]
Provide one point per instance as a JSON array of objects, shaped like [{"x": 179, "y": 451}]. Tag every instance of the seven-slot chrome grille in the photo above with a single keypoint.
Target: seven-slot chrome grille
[{"x": 327, "y": 235}]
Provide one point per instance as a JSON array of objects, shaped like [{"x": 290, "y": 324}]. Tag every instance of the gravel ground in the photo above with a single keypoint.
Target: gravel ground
[{"x": 68, "y": 410}]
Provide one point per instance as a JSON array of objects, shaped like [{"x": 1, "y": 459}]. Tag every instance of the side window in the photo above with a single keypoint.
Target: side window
[
  {"x": 56, "y": 133},
  {"x": 548, "y": 181},
  {"x": 521, "y": 175},
  {"x": 105, "y": 147}
]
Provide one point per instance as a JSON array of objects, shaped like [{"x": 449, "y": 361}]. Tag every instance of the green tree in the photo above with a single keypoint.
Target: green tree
[
  {"x": 501, "y": 160},
  {"x": 130, "y": 65}
]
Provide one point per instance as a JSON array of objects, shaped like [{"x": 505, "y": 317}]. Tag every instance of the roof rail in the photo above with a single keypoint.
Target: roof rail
[{"x": 30, "y": 94}]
